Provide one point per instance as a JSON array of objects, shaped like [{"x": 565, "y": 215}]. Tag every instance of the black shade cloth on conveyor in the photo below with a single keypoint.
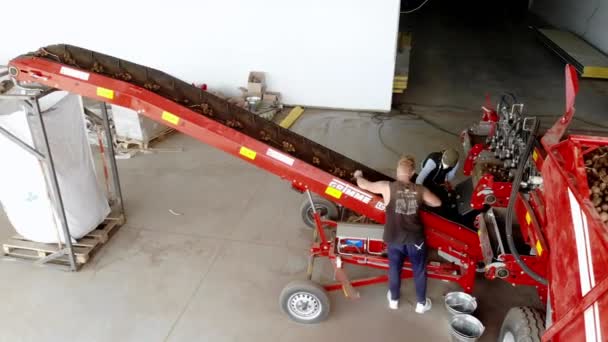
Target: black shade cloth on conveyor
[
  {"x": 211, "y": 106},
  {"x": 217, "y": 109}
]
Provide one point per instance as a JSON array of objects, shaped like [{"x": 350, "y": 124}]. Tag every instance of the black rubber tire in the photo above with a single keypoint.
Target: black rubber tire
[
  {"x": 524, "y": 324},
  {"x": 329, "y": 210},
  {"x": 307, "y": 288}
]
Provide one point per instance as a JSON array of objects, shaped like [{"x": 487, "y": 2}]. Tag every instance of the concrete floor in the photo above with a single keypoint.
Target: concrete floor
[{"x": 215, "y": 272}]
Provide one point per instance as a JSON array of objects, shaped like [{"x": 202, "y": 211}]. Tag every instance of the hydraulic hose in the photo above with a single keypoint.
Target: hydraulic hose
[{"x": 509, "y": 218}]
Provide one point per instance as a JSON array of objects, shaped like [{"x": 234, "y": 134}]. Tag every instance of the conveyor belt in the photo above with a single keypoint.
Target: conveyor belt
[
  {"x": 209, "y": 105},
  {"x": 234, "y": 130}
]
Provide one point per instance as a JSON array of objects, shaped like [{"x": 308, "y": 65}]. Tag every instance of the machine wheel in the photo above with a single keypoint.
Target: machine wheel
[
  {"x": 522, "y": 324},
  {"x": 329, "y": 210},
  {"x": 305, "y": 301}
]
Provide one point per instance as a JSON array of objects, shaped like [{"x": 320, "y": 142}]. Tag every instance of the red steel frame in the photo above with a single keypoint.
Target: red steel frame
[
  {"x": 579, "y": 299},
  {"x": 578, "y": 276},
  {"x": 301, "y": 174},
  {"x": 570, "y": 306},
  {"x": 487, "y": 186},
  {"x": 466, "y": 249},
  {"x": 457, "y": 241},
  {"x": 560, "y": 223},
  {"x": 472, "y": 154}
]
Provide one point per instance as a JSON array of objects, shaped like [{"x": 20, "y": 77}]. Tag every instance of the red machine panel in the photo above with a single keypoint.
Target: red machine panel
[{"x": 578, "y": 238}]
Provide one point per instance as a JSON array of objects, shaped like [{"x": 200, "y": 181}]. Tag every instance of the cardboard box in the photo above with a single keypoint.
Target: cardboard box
[
  {"x": 255, "y": 89},
  {"x": 256, "y": 77},
  {"x": 272, "y": 96},
  {"x": 256, "y": 83}
]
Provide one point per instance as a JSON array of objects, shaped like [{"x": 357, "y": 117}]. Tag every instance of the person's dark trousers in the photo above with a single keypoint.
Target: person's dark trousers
[{"x": 417, "y": 255}]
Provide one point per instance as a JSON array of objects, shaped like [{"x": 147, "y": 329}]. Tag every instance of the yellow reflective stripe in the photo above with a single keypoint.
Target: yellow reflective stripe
[
  {"x": 106, "y": 93},
  {"x": 244, "y": 151},
  {"x": 170, "y": 118},
  {"x": 333, "y": 192},
  {"x": 539, "y": 248}
]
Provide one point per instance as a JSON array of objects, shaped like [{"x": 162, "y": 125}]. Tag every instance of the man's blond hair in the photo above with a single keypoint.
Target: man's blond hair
[{"x": 406, "y": 163}]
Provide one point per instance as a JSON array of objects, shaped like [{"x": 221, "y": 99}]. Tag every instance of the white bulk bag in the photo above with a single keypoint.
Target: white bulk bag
[{"x": 24, "y": 192}]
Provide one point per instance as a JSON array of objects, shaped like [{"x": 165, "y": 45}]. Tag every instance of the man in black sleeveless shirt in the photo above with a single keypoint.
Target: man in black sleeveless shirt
[{"x": 403, "y": 230}]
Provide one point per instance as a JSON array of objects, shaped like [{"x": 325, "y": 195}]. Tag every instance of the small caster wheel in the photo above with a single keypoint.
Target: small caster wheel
[
  {"x": 327, "y": 209},
  {"x": 305, "y": 301}
]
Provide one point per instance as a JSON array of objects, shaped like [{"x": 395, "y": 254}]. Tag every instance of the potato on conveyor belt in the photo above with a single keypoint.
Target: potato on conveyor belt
[{"x": 596, "y": 165}]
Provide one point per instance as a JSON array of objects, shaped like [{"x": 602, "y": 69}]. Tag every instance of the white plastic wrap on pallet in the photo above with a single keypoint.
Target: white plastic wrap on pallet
[
  {"x": 132, "y": 126},
  {"x": 24, "y": 192}
]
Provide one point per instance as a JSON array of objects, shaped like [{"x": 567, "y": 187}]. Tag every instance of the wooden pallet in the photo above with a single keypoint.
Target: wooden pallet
[
  {"x": 125, "y": 144},
  {"x": 22, "y": 248}
]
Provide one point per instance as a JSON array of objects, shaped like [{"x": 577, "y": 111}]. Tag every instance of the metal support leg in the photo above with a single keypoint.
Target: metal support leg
[
  {"x": 315, "y": 235},
  {"x": 319, "y": 227},
  {"x": 315, "y": 232},
  {"x": 10, "y": 136},
  {"x": 312, "y": 203},
  {"x": 115, "y": 179},
  {"x": 50, "y": 166},
  {"x": 310, "y": 267}
]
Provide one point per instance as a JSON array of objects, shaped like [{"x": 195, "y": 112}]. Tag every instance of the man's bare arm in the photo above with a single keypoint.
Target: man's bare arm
[
  {"x": 430, "y": 198},
  {"x": 380, "y": 188}
]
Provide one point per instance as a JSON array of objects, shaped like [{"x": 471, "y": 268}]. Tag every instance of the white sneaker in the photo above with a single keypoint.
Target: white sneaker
[
  {"x": 422, "y": 308},
  {"x": 392, "y": 304}
]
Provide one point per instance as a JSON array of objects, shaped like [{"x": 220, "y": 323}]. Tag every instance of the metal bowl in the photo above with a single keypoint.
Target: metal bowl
[
  {"x": 466, "y": 328},
  {"x": 460, "y": 303}
]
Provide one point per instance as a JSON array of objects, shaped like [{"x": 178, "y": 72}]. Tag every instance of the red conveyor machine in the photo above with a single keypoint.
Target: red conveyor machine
[{"x": 566, "y": 256}]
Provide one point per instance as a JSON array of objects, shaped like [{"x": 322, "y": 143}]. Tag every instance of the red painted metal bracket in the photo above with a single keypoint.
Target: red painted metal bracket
[
  {"x": 515, "y": 275},
  {"x": 555, "y": 133},
  {"x": 447, "y": 272},
  {"x": 469, "y": 163},
  {"x": 489, "y": 192}
]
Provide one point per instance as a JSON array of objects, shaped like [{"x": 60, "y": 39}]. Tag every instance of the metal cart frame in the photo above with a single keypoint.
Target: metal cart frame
[{"x": 43, "y": 153}]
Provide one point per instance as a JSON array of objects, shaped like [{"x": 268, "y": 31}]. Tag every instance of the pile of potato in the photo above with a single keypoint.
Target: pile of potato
[{"x": 596, "y": 164}]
